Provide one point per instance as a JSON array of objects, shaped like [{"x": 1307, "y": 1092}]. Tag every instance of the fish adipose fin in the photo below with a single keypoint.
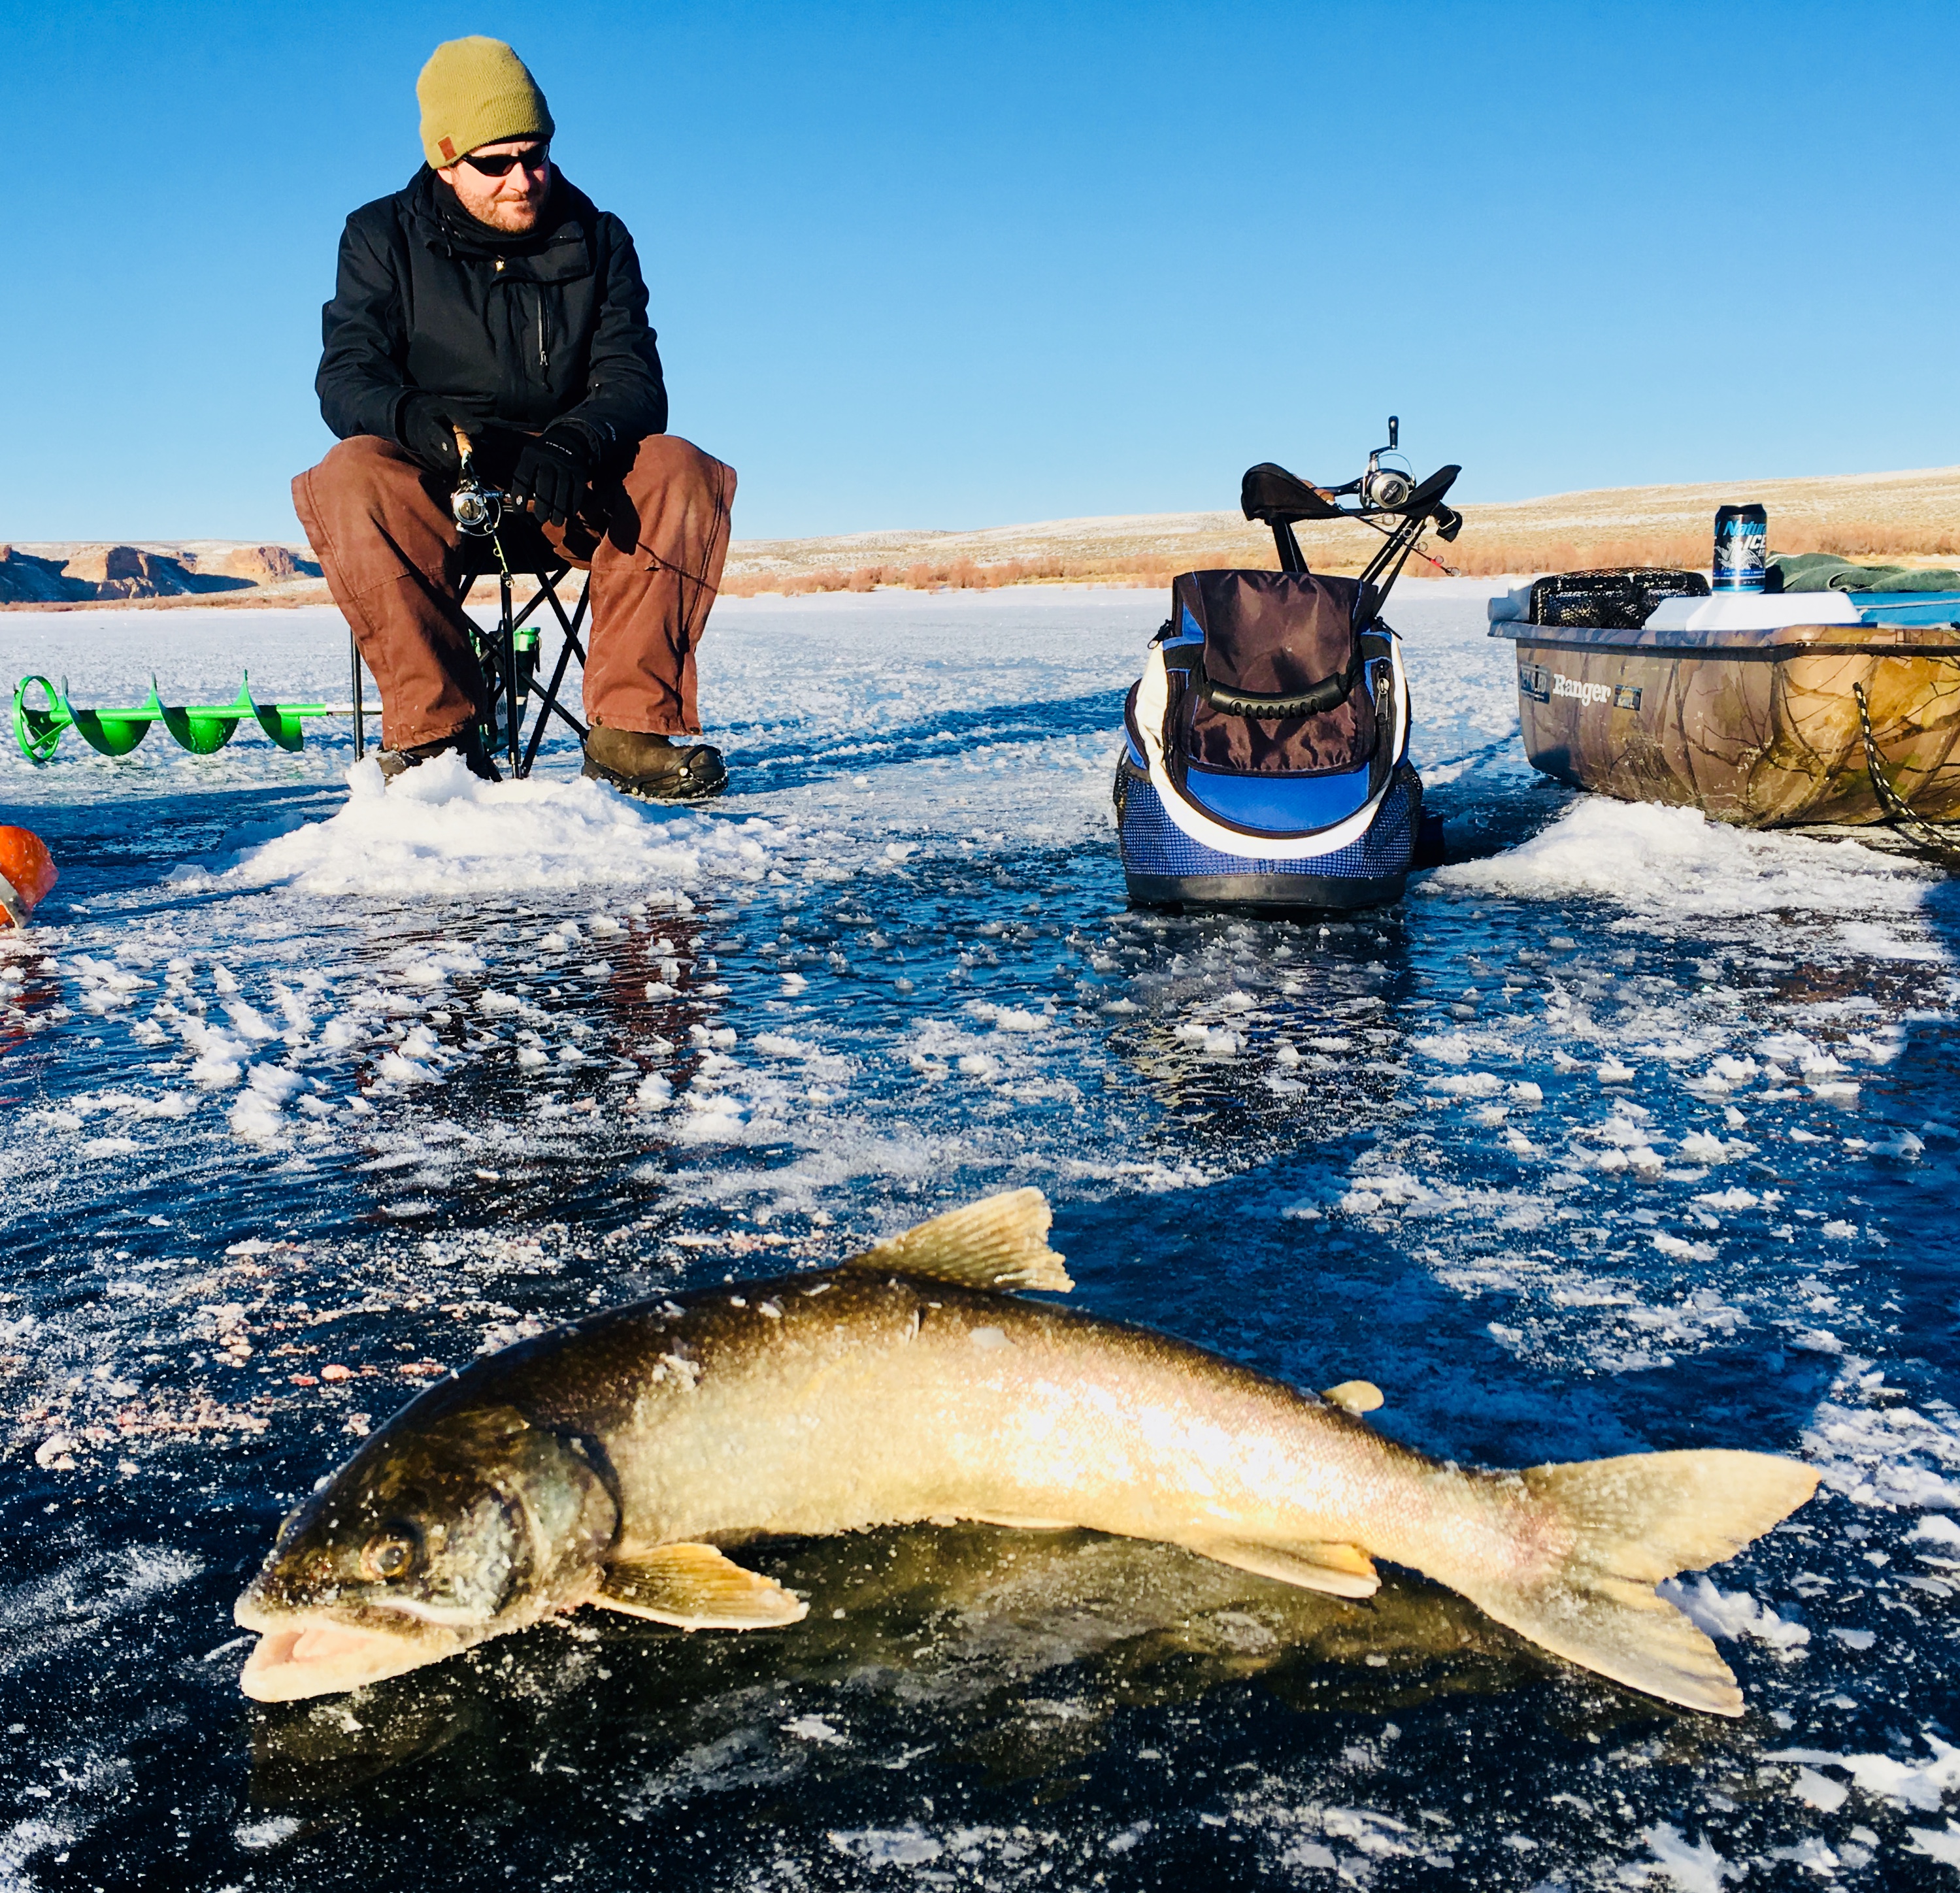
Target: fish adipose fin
[
  {"x": 694, "y": 1586},
  {"x": 1343, "y": 1569},
  {"x": 1357, "y": 1397},
  {"x": 1000, "y": 1243},
  {"x": 1634, "y": 1521}
]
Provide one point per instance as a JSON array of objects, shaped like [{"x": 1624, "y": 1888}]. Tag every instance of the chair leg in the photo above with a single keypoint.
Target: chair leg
[
  {"x": 548, "y": 704},
  {"x": 484, "y": 644},
  {"x": 508, "y": 653},
  {"x": 360, "y": 708}
]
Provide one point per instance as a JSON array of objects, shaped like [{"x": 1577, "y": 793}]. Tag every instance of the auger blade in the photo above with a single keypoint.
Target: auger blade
[
  {"x": 38, "y": 730},
  {"x": 204, "y": 728},
  {"x": 116, "y": 732}
]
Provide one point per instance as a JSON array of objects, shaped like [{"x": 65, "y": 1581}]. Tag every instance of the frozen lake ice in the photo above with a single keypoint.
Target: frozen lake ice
[{"x": 1621, "y": 1132}]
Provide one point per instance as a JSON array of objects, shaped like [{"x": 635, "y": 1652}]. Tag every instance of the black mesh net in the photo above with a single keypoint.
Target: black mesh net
[{"x": 1617, "y": 598}]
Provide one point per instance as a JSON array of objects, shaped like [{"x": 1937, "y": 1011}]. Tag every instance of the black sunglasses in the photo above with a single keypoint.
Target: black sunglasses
[{"x": 533, "y": 157}]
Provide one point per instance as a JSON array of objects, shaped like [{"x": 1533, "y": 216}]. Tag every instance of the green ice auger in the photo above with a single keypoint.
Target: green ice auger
[{"x": 201, "y": 728}]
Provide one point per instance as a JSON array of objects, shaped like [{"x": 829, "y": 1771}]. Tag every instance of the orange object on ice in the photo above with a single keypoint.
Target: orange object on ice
[{"x": 28, "y": 871}]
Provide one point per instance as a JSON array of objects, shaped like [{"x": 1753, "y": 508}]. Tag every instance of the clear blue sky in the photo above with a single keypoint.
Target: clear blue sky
[{"x": 961, "y": 266}]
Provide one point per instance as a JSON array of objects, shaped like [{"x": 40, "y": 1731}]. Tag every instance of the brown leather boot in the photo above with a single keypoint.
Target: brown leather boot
[
  {"x": 468, "y": 742},
  {"x": 655, "y": 767}
]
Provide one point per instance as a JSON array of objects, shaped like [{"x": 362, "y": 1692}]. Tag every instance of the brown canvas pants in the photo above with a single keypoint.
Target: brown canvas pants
[{"x": 381, "y": 526}]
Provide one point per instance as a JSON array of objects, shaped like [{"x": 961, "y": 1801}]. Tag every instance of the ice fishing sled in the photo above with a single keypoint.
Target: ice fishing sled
[
  {"x": 1265, "y": 760},
  {"x": 1764, "y": 709}
]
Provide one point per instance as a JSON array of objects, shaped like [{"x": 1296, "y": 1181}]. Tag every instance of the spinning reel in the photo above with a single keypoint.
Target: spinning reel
[
  {"x": 477, "y": 508},
  {"x": 1387, "y": 487}
]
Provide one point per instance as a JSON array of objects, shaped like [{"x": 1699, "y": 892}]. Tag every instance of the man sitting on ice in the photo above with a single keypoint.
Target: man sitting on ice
[{"x": 490, "y": 293}]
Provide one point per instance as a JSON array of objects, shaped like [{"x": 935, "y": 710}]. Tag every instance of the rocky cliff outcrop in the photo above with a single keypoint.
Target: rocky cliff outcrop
[
  {"x": 97, "y": 574},
  {"x": 25, "y": 580},
  {"x": 126, "y": 571},
  {"x": 263, "y": 564}
]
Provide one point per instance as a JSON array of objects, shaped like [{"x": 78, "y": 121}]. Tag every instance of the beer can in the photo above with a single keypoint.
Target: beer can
[{"x": 1741, "y": 549}]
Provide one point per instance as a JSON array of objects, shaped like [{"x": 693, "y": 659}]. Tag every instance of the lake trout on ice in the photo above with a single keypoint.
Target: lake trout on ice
[{"x": 608, "y": 1461}]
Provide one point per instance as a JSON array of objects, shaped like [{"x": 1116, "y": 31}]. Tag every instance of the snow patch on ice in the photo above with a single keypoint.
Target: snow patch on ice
[
  {"x": 1941, "y": 1844},
  {"x": 910, "y": 1845},
  {"x": 438, "y": 831},
  {"x": 1698, "y": 1869},
  {"x": 1676, "y": 862},
  {"x": 1734, "y": 1614},
  {"x": 1913, "y": 1783}
]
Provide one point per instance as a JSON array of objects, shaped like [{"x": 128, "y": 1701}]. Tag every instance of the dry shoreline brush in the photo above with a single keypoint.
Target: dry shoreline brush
[{"x": 1475, "y": 555}]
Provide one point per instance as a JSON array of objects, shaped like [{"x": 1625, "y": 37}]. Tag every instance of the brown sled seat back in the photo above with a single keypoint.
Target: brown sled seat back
[{"x": 1279, "y": 688}]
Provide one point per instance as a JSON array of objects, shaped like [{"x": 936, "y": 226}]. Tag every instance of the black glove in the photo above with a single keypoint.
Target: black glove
[
  {"x": 426, "y": 430},
  {"x": 554, "y": 471}
]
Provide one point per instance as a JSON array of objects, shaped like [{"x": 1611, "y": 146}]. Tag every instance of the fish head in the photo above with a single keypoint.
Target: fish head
[{"x": 434, "y": 1537}]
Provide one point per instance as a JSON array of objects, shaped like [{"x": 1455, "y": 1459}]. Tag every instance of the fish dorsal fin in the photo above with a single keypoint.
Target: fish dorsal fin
[
  {"x": 999, "y": 1243},
  {"x": 1357, "y": 1397},
  {"x": 694, "y": 1586}
]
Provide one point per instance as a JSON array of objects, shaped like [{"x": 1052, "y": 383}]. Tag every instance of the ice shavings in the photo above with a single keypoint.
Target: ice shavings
[
  {"x": 1915, "y": 1783},
  {"x": 1939, "y": 1844},
  {"x": 1675, "y": 863},
  {"x": 909, "y": 1846},
  {"x": 437, "y": 830},
  {"x": 1895, "y": 1454},
  {"x": 1689, "y": 1868},
  {"x": 1735, "y": 1614}
]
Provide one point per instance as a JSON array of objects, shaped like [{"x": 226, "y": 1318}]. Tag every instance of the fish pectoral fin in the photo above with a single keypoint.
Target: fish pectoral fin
[
  {"x": 1357, "y": 1397},
  {"x": 999, "y": 1243},
  {"x": 696, "y": 1588},
  {"x": 1344, "y": 1570}
]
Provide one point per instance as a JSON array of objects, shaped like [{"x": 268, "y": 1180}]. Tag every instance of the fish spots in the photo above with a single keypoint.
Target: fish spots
[
  {"x": 988, "y": 1340},
  {"x": 771, "y": 1308}
]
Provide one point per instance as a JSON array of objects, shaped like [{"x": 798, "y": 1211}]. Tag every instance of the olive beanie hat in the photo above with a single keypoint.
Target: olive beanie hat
[{"x": 477, "y": 91}]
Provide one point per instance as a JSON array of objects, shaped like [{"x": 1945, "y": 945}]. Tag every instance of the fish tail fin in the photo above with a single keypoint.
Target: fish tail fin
[{"x": 1626, "y": 1524}]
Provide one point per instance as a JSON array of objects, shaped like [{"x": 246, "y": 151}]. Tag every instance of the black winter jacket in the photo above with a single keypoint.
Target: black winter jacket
[{"x": 521, "y": 330}]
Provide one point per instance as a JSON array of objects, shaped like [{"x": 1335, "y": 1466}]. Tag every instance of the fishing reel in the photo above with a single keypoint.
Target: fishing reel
[
  {"x": 477, "y": 508},
  {"x": 1388, "y": 486},
  {"x": 1389, "y": 479}
]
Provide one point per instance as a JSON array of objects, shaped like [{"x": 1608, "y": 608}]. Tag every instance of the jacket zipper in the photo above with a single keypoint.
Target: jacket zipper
[{"x": 544, "y": 359}]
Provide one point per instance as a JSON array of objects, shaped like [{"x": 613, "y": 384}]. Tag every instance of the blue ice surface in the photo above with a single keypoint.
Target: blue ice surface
[{"x": 1620, "y": 1133}]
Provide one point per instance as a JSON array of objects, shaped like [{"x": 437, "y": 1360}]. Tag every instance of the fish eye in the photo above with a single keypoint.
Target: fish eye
[{"x": 391, "y": 1552}]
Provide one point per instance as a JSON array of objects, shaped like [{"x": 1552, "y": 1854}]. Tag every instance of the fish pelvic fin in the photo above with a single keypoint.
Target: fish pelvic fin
[
  {"x": 1344, "y": 1570},
  {"x": 694, "y": 1587},
  {"x": 1630, "y": 1522},
  {"x": 999, "y": 1243}
]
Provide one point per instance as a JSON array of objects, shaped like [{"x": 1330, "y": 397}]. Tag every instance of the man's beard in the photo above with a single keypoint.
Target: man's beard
[{"x": 514, "y": 219}]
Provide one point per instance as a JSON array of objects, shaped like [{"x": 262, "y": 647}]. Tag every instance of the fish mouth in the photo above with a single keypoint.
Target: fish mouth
[{"x": 316, "y": 1655}]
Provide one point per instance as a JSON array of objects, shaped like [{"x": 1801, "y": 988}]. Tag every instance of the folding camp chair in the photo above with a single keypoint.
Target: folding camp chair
[{"x": 509, "y": 650}]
